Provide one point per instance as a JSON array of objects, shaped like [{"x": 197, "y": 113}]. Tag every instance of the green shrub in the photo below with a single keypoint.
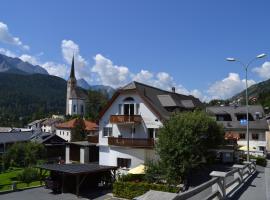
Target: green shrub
[
  {"x": 129, "y": 190},
  {"x": 132, "y": 177},
  {"x": 28, "y": 175},
  {"x": 261, "y": 161}
]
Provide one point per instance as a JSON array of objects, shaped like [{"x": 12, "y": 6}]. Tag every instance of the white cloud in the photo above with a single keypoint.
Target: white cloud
[
  {"x": 70, "y": 48},
  {"x": 110, "y": 74},
  {"x": 7, "y": 37},
  {"x": 56, "y": 69},
  {"x": 31, "y": 59},
  {"x": 7, "y": 52},
  {"x": 263, "y": 71},
  {"x": 228, "y": 87}
]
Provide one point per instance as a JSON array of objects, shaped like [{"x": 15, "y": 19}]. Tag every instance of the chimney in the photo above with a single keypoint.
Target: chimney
[{"x": 173, "y": 89}]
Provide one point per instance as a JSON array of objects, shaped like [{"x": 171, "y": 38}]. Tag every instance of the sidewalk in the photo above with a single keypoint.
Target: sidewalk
[{"x": 257, "y": 188}]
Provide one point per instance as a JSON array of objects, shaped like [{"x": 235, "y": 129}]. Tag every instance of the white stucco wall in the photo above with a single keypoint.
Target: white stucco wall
[
  {"x": 150, "y": 120},
  {"x": 108, "y": 155},
  {"x": 78, "y": 103},
  {"x": 64, "y": 133}
]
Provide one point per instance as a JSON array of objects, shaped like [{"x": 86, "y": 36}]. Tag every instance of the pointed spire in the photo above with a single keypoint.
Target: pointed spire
[{"x": 72, "y": 72}]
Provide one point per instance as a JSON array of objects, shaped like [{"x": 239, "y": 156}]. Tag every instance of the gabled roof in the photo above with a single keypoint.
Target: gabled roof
[
  {"x": 52, "y": 121},
  {"x": 12, "y": 137},
  {"x": 89, "y": 125},
  {"x": 158, "y": 100}
]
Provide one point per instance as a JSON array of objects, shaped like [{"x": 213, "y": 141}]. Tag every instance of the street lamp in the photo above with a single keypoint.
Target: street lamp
[{"x": 246, "y": 70}]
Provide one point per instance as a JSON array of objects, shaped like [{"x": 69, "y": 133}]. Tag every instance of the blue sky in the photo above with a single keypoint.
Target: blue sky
[{"x": 162, "y": 43}]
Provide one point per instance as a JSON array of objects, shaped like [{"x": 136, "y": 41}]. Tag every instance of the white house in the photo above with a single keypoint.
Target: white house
[
  {"x": 129, "y": 124},
  {"x": 233, "y": 118},
  {"x": 63, "y": 130},
  {"x": 49, "y": 125},
  {"x": 76, "y": 97}
]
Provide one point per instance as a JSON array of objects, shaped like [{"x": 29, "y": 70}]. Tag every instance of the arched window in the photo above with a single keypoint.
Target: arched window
[
  {"x": 82, "y": 109},
  {"x": 129, "y": 99}
]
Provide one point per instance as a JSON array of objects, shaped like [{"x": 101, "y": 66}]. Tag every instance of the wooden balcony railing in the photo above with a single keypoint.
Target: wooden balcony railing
[
  {"x": 93, "y": 139},
  {"x": 121, "y": 119},
  {"x": 131, "y": 142}
]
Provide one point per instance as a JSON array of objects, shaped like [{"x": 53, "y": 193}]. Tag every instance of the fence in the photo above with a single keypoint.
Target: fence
[{"x": 222, "y": 184}]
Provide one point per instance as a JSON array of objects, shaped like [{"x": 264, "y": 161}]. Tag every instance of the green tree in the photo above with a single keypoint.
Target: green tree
[
  {"x": 78, "y": 132},
  {"x": 184, "y": 142},
  {"x": 96, "y": 102},
  {"x": 24, "y": 154}
]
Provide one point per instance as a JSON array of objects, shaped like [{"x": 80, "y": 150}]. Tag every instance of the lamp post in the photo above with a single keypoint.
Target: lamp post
[{"x": 246, "y": 70}]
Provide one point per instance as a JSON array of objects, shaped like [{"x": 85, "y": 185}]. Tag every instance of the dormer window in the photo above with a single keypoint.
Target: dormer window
[
  {"x": 223, "y": 117},
  {"x": 241, "y": 116}
]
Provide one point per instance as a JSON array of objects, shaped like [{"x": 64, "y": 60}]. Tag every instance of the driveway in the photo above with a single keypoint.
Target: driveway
[{"x": 45, "y": 194}]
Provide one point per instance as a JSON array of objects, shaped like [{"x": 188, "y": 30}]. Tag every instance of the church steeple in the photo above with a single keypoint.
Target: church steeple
[{"x": 72, "y": 72}]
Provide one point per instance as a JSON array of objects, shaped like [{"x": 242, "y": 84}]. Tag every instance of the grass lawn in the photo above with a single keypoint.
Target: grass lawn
[{"x": 9, "y": 176}]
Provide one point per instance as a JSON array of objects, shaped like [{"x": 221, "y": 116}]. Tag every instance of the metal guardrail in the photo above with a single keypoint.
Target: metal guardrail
[{"x": 221, "y": 187}]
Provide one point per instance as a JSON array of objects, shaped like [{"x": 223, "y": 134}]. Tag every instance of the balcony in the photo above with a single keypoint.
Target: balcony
[
  {"x": 125, "y": 119},
  {"x": 92, "y": 139},
  {"x": 131, "y": 142}
]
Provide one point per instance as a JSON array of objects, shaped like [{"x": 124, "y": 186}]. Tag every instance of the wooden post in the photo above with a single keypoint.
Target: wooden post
[
  {"x": 77, "y": 185},
  {"x": 63, "y": 176}
]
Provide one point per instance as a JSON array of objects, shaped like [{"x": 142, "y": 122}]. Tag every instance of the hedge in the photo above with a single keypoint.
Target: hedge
[{"x": 129, "y": 190}]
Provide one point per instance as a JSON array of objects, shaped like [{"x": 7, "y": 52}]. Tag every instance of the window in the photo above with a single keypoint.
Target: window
[
  {"x": 150, "y": 133},
  {"x": 123, "y": 162},
  {"x": 107, "y": 131},
  {"x": 255, "y": 136},
  {"x": 224, "y": 117},
  {"x": 129, "y": 99},
  {"x": 74, "y": 108},
  {"x": 261, "y": 148},
  {"x": 82, "y": 109},
  {"x": 242, "y": 136},
  {"x": 128, "y": 109},
  {"x": 244, "y": 116}
]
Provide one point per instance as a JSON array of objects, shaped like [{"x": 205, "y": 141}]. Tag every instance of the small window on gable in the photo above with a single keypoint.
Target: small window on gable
[
  {"x": 129, "y": 99},
  {"x": 74, "y": 108}
]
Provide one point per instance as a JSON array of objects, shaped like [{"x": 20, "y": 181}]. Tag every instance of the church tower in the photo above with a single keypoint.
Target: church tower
[
  {"x": 71, "y": 86},
  {"x": 76, "y": 96}
]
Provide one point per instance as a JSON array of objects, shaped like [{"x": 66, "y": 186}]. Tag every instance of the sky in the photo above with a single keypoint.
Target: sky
[{"x": 180, "y": 43}]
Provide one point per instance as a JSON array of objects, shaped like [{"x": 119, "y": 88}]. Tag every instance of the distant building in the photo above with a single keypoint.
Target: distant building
[
  {"x": 76, "y": 97},
  {"x": 48, "y": 126},
  {"x": 63, "y": 130},
  {"x": 129, "y": 124},
  {"x": 36, "y": 125},
  {"x": 233, "y": 119}
]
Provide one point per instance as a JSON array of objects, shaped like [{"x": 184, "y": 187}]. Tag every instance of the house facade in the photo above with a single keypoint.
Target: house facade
[
  {"x": 128, "y": 126},
  {"x": 64, "y": 129},
  {"x": 233, "y": 119},
  {"x": 49, "y": 125}
]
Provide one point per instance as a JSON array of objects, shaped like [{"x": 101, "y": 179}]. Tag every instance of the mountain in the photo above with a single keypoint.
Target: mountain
[
  {"x": 83, "y": 84},
  {"x": 27, "y": 97},
  {"x": 106, "y": 90},
  {"x": 17, "y": 66},
  {"x": 258, "y": 94}
]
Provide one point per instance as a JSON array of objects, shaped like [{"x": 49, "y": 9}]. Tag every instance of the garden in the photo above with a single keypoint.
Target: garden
[
  {"x": 18, "y": 166},
  {"x": 183, "y": 147}
]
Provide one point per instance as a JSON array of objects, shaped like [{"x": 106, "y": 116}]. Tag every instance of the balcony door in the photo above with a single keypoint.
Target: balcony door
[{"x": 128, "y": 109}]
